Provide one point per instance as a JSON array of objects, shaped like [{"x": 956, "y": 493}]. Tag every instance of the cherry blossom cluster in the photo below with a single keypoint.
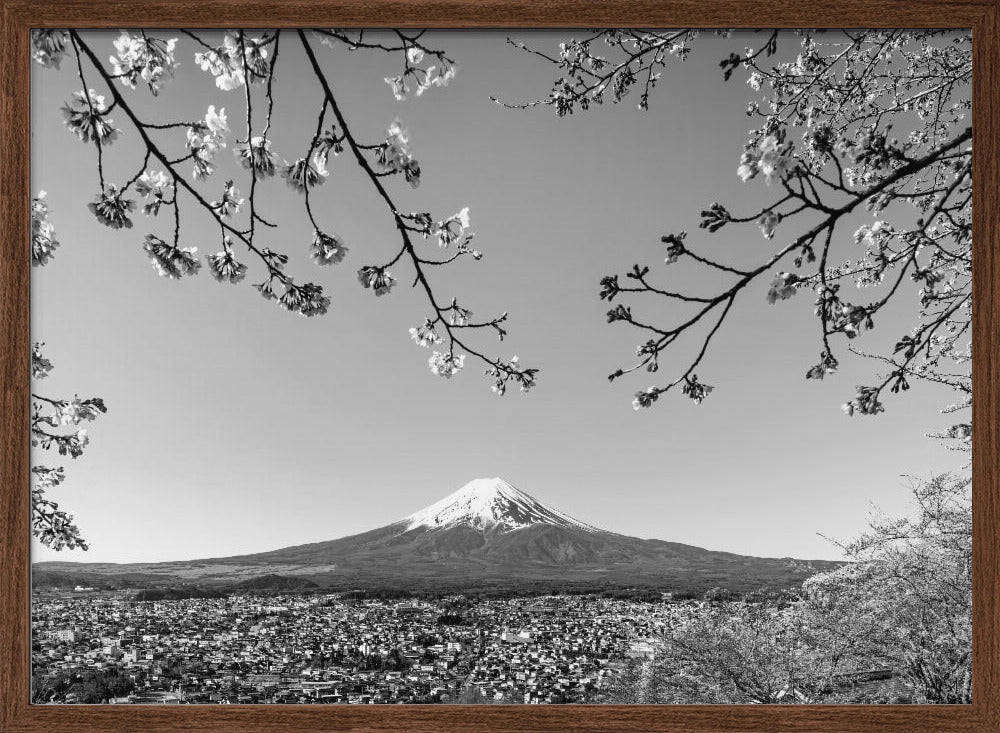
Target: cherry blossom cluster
[
  {"x": 43, "y": 233},
  {"x": 422, "y": 67},
  {"x": 56, "y": 424},
  {"x": 142, "y": 57},
  {"x": 237, "y": 59},
  {"x": 421, "y": 78}
]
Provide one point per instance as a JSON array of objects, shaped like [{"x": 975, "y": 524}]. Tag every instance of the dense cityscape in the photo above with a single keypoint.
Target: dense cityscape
[{"x": 107, "y": 647}]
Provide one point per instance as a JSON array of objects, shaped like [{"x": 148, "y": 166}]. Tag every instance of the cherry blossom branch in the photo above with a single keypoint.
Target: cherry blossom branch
[
  {"x": 242, "y": 60},
  {"x": 588, "y": 76},
  {"x": 55, "y": 424},
  {"x": 842, "y": 93},
  {"x": 784, "y": 286},
  {"x": 443, "y": 315},
  {"x": 307, "y": 299}
]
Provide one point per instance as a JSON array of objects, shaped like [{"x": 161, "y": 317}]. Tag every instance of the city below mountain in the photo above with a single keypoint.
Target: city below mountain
[{"x": 488, "y": 535}]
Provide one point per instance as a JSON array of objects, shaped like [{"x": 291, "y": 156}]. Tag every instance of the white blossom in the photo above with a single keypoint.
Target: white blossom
[
  {"x": 170, "y": 260},
  {"x": 768, "y": 221},
  {"x": 773, "y": 163},
  {"x": 451, "y": 229},
  {"x": 224, "y": 266},
  {"x": 155, "y": 186},
  {"x": 327, "y": 249},
  {"x": 394, "y": 154},
  {"x": 48, "y": 46},
  {"x": 229, "y": 62},
  {"x": 378, "y": 279},
  {"x": 446, "y": 364},
  {"x": 231, "y": 202},
  {"x": 399, "y": 88},
  {"x": 425, "y": 335},
  {"x": 303, "y": 175},
  {"x": 205, "y": 139},
  {"x": 43, "y": 233},
  {"x": 112, "y": 208},
  {"x": 85, "y": 116},
  {"x": 257, "y": 156},
  {"x": 142, "y": 57}
]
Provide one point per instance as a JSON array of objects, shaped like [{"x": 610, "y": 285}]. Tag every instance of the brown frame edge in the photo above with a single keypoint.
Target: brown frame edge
[{"x": 18, "y": 16}]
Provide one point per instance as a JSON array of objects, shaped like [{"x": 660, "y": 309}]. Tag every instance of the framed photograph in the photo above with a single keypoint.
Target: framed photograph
[{"x": 499, "y": 366}]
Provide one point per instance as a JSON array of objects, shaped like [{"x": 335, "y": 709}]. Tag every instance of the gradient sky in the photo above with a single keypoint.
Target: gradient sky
[{"x": 235, "y": 427}]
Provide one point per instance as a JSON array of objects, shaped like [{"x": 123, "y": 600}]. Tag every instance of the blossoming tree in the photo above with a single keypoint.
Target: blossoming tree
[
  {"x": 55, "y": 425},
  {"x": 856, "y": 121},
  {"x": 903, "y": 604},
  {"x": 905, "y": 600}
]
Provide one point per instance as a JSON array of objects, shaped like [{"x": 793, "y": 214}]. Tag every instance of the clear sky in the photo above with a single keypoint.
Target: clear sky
[{"x": 235, "y": 427}]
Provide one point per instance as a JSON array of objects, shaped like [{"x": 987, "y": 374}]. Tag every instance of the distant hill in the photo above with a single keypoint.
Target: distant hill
[
  {"x": 69, "y": 575},
  {"x": 278, "y": 583},
  {"x": 176, "y": 593},
  {"x": 488, "y": 534}
]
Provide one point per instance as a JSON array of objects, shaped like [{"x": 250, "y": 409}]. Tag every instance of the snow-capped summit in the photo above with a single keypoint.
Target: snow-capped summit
[{"x": 490, "y": 503}]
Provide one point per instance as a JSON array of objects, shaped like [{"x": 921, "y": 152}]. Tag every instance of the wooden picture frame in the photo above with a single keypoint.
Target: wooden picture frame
[{"x": 19, "y": 16}]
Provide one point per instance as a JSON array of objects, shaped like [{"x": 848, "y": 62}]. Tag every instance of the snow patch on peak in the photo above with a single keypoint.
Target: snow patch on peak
[{"x": 490, "y": 503}]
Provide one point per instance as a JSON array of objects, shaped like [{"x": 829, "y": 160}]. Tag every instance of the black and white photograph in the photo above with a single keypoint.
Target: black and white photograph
[{"x": 501, "y": 367}]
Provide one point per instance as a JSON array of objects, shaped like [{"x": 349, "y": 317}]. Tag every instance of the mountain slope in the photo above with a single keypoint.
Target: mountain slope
[{"x": 488, "y": 533}]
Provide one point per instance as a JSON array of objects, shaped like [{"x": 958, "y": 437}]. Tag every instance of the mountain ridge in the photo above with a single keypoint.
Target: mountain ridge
[{"x": 487, "y": 533}]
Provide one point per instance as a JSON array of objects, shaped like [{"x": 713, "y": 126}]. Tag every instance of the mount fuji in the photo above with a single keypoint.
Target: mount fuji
[
  {"x": 487, "y": 534},
  {"x": 490, "y": 504}
]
